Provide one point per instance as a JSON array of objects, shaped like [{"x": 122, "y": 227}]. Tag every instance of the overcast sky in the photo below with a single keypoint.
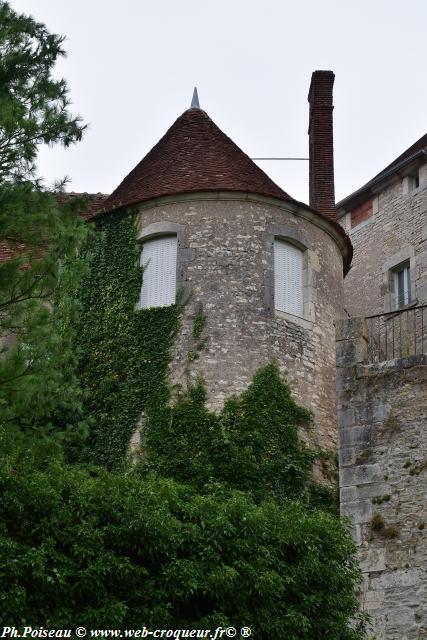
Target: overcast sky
[{"x": 132, "y": 65}]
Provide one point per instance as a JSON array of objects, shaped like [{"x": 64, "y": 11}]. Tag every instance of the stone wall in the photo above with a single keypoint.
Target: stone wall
[
  {"x": 225, "y": 267},
  {"x": 382, "y": 415},
  {"x": 395, "y": 232}
]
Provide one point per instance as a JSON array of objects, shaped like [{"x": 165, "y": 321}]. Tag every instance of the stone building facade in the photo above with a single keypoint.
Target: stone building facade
[
  {"x": 387, "y": 222},
  {"x": 225, "y": 267},
  {"x": 382, "y": 393},
  {"x": 228, "y": 222},
  {"x": 382, "y": 409}
]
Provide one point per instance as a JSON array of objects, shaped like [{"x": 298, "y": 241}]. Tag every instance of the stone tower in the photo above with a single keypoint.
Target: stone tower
[{"x": 265, "y": 270}]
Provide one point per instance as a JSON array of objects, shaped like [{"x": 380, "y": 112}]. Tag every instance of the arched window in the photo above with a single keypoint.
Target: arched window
[
  {"x": 288, "y": 278},
  {"x": 158, "y": 259}
]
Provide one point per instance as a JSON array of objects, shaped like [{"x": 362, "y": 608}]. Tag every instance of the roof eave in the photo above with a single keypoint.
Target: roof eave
[
  {"x": 332, "y": 227},
  {"x": 371, "y": 187}
]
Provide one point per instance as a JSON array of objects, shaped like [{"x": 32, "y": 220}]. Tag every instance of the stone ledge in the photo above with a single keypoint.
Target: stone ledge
[{"x": 398, "y": 364}]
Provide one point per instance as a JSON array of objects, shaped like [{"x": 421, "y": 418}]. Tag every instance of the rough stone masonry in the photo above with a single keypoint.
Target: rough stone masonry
[
  {"x": 382, "y": 416},
  {"x": 225, "y": 264}
]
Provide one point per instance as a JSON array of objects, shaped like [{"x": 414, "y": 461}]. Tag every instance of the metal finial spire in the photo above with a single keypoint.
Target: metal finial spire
[{"x": 195, "y": 101}]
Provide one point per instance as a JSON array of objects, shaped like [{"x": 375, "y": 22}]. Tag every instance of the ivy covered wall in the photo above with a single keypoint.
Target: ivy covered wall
[
  {"x": 220, "y": 523},
  {"x": 124, "y": 350},
  {"x": 253, "y": 444}
]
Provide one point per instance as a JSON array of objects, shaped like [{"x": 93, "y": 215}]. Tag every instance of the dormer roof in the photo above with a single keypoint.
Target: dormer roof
[{"x": 193, "y": 155}]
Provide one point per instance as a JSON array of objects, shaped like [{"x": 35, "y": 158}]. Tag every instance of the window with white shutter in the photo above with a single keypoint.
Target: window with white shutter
[
  {"x": 288, "y": 278},
  {"x": 158, "y": 259}
]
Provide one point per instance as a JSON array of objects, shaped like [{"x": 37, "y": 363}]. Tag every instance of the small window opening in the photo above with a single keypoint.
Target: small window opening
[
  {"x": 158, "y": 259},
  {"x": 402, "y": 286},
  {"x": 414, "y": 181},
  {"x": 288, "y": 278}
]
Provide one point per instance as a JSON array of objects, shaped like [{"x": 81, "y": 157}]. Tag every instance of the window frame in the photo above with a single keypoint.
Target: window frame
[
  {"x": 184, "y": 253},
  {"x": 392, "y": 265},
  {"x": 414, "y": 181},
  {"x": 172, "y": 285},
  {"x": 311, "y": 267},
  {"x": 286, "y": 283},
  {"x": 405, "y": 269},
  {"x": 411, "y": 181}
]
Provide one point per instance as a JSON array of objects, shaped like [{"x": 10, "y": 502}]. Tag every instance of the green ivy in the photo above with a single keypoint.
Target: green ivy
[
  {"x": 220, "y": 524},
  {"x": 199, "y": 321},
  {"x": 125, "y": 350},
  {"x": 252, "y": 445}
]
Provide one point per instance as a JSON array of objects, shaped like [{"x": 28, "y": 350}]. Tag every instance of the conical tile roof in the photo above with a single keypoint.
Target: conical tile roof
[{"x": 193, "y": 155}]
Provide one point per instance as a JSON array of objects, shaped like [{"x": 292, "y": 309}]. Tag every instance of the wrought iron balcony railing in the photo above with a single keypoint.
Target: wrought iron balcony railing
[{"x": 398, "y": 334}]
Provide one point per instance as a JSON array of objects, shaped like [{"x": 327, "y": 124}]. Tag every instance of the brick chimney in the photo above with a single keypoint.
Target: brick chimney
[{"x": 321, "y": 143}]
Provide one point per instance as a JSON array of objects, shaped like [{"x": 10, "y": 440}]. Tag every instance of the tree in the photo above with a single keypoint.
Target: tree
[
  {"x": 33, "y": 105},
  {"x": 109, "y": 549},
  {"x": 231, "y": 536},
  {"x": 38, "y": 231}
]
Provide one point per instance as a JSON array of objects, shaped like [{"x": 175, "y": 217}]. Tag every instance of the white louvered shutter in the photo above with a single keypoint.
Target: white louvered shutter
[
  {"x": 158, "y": 258},
  {"x": 288, "y": 278}
]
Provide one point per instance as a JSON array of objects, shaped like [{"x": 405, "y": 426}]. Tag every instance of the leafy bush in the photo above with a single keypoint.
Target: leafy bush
[
  {"x": 203, "y": 533},
  {"x": 102, "y": 549},
  {"x": 252, "y": 445}
]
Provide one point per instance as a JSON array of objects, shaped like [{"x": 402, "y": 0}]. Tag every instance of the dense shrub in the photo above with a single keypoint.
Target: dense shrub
[
  {"x": 220, "y": 522},
  {"x": 253, "y": 444},
  {"x": 104, "y": 549}
]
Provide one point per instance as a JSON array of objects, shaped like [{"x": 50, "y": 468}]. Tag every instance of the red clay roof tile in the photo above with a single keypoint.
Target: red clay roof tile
[{"x": 193, "y": 155}]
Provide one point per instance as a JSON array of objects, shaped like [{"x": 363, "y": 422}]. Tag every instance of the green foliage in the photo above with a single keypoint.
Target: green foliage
[
  {"x": 377, "y": 522},
  {"x": 253, "y": 445},
  {"x": 39, "y": 233},
  {"x": 36, "y": 379},
  {"x": 364, "y": 456},
  {"x": 199, "y": 321},
  {"x": 39, "y": 387},
  {"x": 107, "y": 549},
  {"x": 381, "y": 499},
  {"x": 124, "y": 351},
  {"x": 33, "y": 105},
  {"x": 262, "y": 431}
]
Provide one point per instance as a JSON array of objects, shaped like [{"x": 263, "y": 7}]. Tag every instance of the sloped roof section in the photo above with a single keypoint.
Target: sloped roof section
[
  {"x": 95, "y": 201},
  {"x": 193, "y": 155},
  {"x": 419, "y": 145},
  {"x": 416, "y": 150}
]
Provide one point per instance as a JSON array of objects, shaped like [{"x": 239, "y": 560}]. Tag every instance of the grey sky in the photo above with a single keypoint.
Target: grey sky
[{"x": 132, "y": 65}]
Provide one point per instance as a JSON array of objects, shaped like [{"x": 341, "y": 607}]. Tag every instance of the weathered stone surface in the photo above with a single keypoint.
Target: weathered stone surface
[
  {"x": 359, "y": 511},
  {"x": 362, "y": 474},
  {"x": 229, "y": 270},
  {"x": 395, "y": 233},
  {"x": 383, "y": 456},
  {"x": 372, "y": 560}
]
